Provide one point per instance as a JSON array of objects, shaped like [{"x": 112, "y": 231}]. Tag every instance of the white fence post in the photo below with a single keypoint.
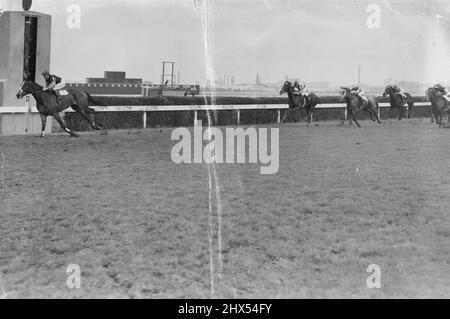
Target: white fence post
[
  {"x": 238, "y": 116},
  {"x": 195, "y": 118},
  {"x": 144, "y": 119},
  {"x": 27, "y": 103},
  {"x": 279, "y": 116},
  {"x": 345, "y": 114}
]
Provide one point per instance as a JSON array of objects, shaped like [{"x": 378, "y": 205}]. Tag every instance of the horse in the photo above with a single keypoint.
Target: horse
[
  {"x": 355, "y": 103},
  {"x": 439, "y": 105},
  {"x": 46, "y": 103},
  {"x": 398, "y": 101},
  {"x": 297, "y": 101}
]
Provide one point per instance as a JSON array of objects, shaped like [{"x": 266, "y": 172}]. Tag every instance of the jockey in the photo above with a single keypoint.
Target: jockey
[
  {"x": 54, "y": 84},
  {"x": 305, "y": 92},
  {"x": 398, "y": 90},
  {"x": 442, "y": 90},
  {"x": 296, "y": 87},
  {"x": 301, "y": 89},
  {"x": 359, "y": 93}
]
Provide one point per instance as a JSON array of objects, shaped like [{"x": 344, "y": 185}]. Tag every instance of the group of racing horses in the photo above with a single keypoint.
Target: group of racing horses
[
  {"x": 48, "y": 105},
  {"x": 439, "y": 104}
]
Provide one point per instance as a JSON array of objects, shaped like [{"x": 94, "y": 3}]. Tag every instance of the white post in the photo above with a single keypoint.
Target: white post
[
  {"x": 195, "y": 118},
  {"x": 27, "y": 115},
  {"x": 279, "y": 116},
  {"x": 379, "y": 112},
  {"x": 144, "y": 119},
  {"x": 345, "y": 114},
  {"x": 238, "y": 116}
]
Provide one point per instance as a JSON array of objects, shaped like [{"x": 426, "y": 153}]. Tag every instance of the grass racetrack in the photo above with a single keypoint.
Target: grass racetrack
[{"x": 137, "y": 224}]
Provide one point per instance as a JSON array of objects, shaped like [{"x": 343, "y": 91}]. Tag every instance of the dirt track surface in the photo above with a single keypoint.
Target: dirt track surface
[{"x": 137, "y": 224}]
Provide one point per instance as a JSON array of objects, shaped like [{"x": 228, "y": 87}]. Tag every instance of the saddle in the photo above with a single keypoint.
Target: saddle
[
  {"x": 364, "y": 104},
  {"x": 402, "y": 96},
  {"x": 63, "y": 92}
]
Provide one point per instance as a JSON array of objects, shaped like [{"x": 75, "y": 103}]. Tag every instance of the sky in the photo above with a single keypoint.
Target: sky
[{"x": 314, "y": 40}]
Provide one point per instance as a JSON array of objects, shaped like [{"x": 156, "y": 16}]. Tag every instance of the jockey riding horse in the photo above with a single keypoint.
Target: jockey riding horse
[
  {"x": 301, "y": 89},
  {"x": 54, "y": 84},
  {"x": 357, "y": 91},
  {"x": 443, "y": 91}
]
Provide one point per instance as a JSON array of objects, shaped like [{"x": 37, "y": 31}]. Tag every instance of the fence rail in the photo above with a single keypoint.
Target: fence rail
[{"x": 195, "y": 108}]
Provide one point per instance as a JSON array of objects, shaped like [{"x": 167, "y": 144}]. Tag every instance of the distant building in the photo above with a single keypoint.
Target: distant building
[
  {"x": 258, "y": 80},
  {"x": 113, "y": 83},
  {"x": 114, "y": 77},
  {"x": 152, "y": 90}
]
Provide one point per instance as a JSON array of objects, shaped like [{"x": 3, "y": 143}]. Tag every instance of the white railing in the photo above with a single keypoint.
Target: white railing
[{"x": 195, "y": 108}]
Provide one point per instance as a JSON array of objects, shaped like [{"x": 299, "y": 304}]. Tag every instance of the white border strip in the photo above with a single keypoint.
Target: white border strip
[{"x": 162, "y": 108}]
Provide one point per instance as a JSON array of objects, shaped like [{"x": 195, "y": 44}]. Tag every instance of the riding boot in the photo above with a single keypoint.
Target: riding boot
[{"x": 58, "y": 99}]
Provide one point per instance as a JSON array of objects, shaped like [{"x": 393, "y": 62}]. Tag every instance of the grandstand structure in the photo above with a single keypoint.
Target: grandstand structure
[{"x": 113, "y": 83}]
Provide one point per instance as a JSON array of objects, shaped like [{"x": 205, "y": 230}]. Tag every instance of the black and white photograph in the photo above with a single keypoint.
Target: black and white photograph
[{"x": 225, "y": 150}]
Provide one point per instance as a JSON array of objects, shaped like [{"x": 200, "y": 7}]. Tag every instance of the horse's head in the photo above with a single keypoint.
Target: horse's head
[
  {"x": 27, "y": 87},
  {"x": 286, "y": 86},
  {"x": 429, "y": 94},
  {"x": 387, "y": 90},
  {"x": 343, "y": 93}
]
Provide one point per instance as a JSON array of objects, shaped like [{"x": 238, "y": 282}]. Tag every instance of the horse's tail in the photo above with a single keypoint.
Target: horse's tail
[
  {"x": 409, "y": 100},
  {"x": 377, "y": 106},
  {"x": 316, "y": 99},
  {"x": 93, "y": 101}
]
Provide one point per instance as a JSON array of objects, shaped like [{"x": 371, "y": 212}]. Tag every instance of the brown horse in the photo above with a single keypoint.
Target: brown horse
[
  {"x": 46, "y": 103},
  {"x": 398, "y": 101},
  {"x": 355, "y": 104},
  {"x": 297, "y": 102},
  {"x": 439, "y": 105}
]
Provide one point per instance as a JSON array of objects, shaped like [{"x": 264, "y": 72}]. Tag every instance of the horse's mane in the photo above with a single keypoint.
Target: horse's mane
[
  {"x": 430, "y": 89},
  {"x": 35, "y": 85}
]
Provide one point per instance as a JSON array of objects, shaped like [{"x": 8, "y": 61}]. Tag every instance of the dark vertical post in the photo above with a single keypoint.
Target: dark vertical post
[
  {"x": 173, "y": 64},
  {"x": 163, "y": 73},
  {"x": 29, "y": 49},
  {"x": 359, "y": 75}
]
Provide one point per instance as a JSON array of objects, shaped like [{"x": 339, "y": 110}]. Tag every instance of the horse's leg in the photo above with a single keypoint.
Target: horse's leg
[
  {"x": 43, "y": 122},
  {"x": 283, "y": 120},
  {"x": 92, "y": 111},
  {"x": 369, "y": 110},
  {"x": 311, "y": 114},
  {"x": 82, "y": 112},
  {"x": 308, "y": 116},
  {"x": 376, "y": 116},
  {"x": 63, "y": 125},
  {"x": 374, "y": 112},
  {"x": 436, "y": 118},
  {"x": 293, "y": 114},
  {"x": 354, "y": 119}
]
